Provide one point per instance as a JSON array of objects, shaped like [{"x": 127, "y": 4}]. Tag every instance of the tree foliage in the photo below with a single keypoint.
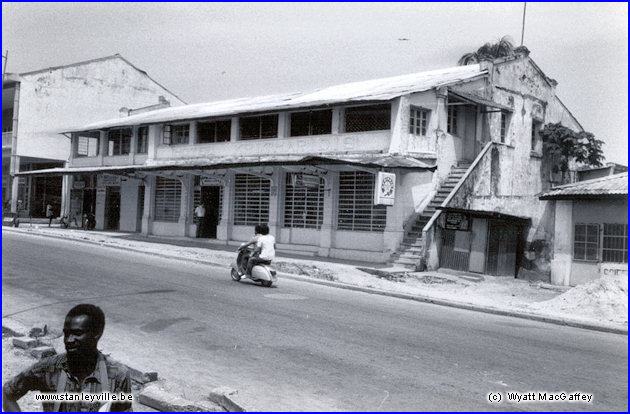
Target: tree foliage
[
  {"x": 503, "y": 47},
  {"x": 564, "y": 145}
]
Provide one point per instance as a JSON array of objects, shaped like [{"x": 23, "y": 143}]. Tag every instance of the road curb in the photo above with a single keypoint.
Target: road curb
[{"x": 418, "y": 298}]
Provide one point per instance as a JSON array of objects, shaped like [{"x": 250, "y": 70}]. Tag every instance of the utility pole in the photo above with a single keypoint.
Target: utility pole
[{"x": 523, "y": 28}]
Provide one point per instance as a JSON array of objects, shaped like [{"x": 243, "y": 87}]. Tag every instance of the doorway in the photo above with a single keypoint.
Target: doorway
[
  {"x": 211, "y": 199},
  {"x": 140, "y": 208},
  {"x": 112, "y": 208},
  {"x": 502, "y": 246}
]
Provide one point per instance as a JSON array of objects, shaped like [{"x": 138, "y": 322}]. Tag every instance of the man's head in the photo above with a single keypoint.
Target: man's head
[
  {"x": 264, "y": 229},
  {"x": 82, "y": 330}
]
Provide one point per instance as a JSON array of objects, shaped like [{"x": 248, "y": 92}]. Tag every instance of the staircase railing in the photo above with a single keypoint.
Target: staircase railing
[{"x": 434, "y": 217}]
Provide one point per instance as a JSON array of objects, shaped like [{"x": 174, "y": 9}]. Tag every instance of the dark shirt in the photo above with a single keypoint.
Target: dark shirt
[{"x": 44, "y": 376}]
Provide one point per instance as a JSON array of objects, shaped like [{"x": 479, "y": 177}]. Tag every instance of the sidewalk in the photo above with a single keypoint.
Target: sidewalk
[{"x": 600, "y": 305}]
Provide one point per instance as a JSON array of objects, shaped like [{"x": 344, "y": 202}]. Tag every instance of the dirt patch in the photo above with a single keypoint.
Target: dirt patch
[{"x": 306, "y": 270}]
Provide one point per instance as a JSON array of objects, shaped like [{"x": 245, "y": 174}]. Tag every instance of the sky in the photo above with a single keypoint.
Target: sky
[{"x": 210, "y": 51}]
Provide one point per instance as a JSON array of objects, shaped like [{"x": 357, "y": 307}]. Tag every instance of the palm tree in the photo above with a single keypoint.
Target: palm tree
[{"x": 502, "y": 48}]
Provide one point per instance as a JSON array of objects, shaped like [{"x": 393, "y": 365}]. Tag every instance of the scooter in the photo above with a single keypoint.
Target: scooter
[{"x": 263, "y": 273}]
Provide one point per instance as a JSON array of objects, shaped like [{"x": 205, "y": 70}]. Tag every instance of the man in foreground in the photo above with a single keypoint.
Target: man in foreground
[{"x": 82, "y": 369}]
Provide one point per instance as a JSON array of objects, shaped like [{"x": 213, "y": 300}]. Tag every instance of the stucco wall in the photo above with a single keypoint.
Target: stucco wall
[{"x": 55, "y": 100}]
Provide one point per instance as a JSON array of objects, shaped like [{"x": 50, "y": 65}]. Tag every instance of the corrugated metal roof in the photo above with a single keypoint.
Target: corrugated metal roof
[
  {"x": 372, "y": 90},
  {"x": 367, "y": 160},
  {"x": 611, "y": 185}
]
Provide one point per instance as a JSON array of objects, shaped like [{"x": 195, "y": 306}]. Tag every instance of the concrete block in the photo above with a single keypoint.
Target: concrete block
[
  {"x": 155, "y": 396},
  {"x": 227, "y": 398},
  {"x": 12, "y": 327},
  {"x": 25, "y": 342},
  {"x": 37, "y": 331},
  {"x": 43, "y": 351},
  {"x": 142, "y": 377}
]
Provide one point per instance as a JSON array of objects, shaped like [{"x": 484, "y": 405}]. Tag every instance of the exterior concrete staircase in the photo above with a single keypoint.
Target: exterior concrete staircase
[{"x": 409, "y": 251}]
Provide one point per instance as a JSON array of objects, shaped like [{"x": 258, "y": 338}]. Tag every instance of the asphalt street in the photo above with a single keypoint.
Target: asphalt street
[{"x": 300, "y": 346}]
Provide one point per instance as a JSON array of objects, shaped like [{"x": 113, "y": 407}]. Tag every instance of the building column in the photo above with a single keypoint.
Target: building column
[
  {"x": 562, "y": 243},
  {"x": 234, "y": 131},
  {"x": 224, "y": 227},
  {"x": 327, "y": 229},
  {"x": 185, "y": 203},
  {"x": 14, "y": 162},
  {"x": 154, "y": 135},
  {"x": 274, "y": 202},
  {"x": 66, "y": 188},
  {"x": 397, "y": 141},
  {"x": 103, "y": 146},
  {"x": 283, "y": 125},
  {"x": 149, "y": 202},
  {"x": 336, "y": 121},
  {"x": 395, "y": 221},
  {"x": 192, "y": 133},
  {"x": 133, "y": 145}
]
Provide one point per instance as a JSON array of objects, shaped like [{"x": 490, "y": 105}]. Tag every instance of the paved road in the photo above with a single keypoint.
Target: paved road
[{"x": 307, "y": 347}]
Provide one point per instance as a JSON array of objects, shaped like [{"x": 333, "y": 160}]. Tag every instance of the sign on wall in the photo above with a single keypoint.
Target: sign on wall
[
  {"x": 107, "y": 179},
  {"x": 305, "y": 180},
  {"x": 613, "y": 269},
  {"x": 78, "y": 185},
  {"x": 210, "y": 181},
  {"x": 457, "y": 221},
  {"x": 385, "y": 189}
]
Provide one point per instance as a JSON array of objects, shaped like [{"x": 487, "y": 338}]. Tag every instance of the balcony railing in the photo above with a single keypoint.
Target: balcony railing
[{"x": 6, "y": 139}]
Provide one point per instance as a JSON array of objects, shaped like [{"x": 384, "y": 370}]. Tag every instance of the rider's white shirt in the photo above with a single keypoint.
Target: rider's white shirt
[{"x": 266, "y": 243}]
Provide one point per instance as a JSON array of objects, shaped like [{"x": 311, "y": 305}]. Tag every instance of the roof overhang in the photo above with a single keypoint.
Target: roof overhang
[
  {"x": 377, "y": 161},
  {"x": 486, "y": 214},
  {"x": 583, "y": 197},
  {"x": 478, "y": 100}
]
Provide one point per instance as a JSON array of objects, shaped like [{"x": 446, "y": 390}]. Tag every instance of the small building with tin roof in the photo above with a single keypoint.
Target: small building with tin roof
[{"x": 591, "y": 229}]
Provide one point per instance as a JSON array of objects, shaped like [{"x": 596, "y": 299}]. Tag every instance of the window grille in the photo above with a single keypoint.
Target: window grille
[
  {"x": 368, "y": 118},
  {"x": 303, "y": 206},
  {"x": 87, "y": 145},
  {"x": 168, "y": 194},
  {"x": 259, "y": 127},
  {"x": 357, "y": 211},
  {"x": 311, "y": 123},
  {"x": 586, "y": 242},
  {"x": 143, "y": 140},
  {"x": 251, "y": 199},
  {"x": 197, "y": 199},
  {"x": 118, "y": 141},
  {"x": 615, "y": 243},
  {"x": 215, "y": 131},
  {"x": 451, "y": 121},
  {"x": 418, "y": 121}
]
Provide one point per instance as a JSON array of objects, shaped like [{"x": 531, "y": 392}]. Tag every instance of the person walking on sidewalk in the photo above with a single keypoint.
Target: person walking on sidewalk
[
  {"x": 82, "y": 369},
  {"x": 49, "y": 213}
]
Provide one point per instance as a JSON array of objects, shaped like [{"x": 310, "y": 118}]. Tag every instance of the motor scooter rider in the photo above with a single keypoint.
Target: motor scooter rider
[{"x": 265, "y": 250}]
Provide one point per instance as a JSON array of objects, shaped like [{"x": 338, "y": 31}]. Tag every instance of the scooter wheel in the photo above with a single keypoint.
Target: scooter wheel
[
  {"x": 235, "y": 276},
  {"x": 266, "y": 283}
]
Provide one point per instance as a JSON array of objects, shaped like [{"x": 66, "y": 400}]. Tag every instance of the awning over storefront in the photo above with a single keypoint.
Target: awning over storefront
[
  {"x": 485, "y": 214},
  {"x": 365, "y": 160},
  {"x": 479, "y": 100}
]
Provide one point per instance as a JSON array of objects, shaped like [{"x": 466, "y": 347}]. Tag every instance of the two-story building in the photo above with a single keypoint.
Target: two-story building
[
  {"x": 38, "y": 105},
  {"x": 435, "y": 169}
]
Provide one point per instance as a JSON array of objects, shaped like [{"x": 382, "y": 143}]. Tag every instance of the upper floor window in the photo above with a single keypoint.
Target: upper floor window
[
  {"x": 176, "y": 134},
  {"x": 536, "y": 126},
  {"x": 451, "y": 121},
  {"x": 142, "y": 146},
  {"x": 259, "y": 127},
  {"x": 368, "y": 118},
  {"x": 311, "y": 123},
  {"x": 418, "y": 120},
  {"x": 87, "y": 144},
  {"x": 215, "y": 131},
  {"x": 505, "y": 124},
  {"x": 118, "y": 141}
]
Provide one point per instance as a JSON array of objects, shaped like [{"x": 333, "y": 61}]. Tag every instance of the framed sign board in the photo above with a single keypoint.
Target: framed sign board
[
  {"x": 385, "y": 189},
  {"x": 457, "y": 221}
]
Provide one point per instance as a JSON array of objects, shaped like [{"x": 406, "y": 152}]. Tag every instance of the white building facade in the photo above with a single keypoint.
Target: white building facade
[{"x": 367, "y": 171}]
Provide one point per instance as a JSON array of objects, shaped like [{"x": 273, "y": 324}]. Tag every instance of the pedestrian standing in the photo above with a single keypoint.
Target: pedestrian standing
[
  {"x": 200, "y": 213},
  {"x": 49, "y": 213}
]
